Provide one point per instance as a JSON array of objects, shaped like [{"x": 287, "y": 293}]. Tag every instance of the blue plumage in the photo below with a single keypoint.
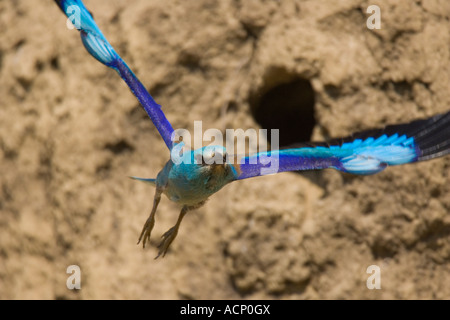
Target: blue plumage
[
  {"x": 93, "y": 39},
  {"x": 360, "y": 156},
  {"x": 146, "y": 180},
  {"x": 97, "y": 45},
  {"x": 191, "y": 176}
]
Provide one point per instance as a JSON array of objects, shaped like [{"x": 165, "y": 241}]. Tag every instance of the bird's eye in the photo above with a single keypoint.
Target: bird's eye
[{"x": 224, "y": 157}]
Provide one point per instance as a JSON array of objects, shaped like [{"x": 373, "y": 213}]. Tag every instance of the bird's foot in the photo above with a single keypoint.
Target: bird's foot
[
  {"x": 148, "y": 226},
  {"x": 147, "y": 230},
  {"x": 168, "y": 238}
]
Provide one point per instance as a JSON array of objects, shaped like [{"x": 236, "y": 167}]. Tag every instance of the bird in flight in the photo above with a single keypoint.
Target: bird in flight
[{"x": 204, "y": 171}]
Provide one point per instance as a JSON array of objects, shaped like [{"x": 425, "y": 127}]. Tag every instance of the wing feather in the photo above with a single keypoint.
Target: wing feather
[
  {"x": 366, "y": 152},
  {"x": 97, "y": 45}
]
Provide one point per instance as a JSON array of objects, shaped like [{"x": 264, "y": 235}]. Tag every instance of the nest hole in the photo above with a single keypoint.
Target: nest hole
[{"x": 288, "y": 107}]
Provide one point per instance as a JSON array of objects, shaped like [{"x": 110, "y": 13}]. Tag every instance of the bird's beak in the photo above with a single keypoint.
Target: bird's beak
[{"x": 218, "y": 168}]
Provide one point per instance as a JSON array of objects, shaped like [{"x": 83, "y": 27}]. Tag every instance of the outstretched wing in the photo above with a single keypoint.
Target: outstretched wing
[
  {"x": 366, "y": 152},
  {"x": 97, "y": 45}
]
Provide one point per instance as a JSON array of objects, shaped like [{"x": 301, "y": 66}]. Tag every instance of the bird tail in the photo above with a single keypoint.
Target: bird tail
[{"x": 150, "y": 181}]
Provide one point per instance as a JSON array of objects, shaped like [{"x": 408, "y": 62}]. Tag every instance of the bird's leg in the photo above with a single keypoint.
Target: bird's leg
[
  {"x": 148, "y": 226},
  {"x": 171, "y": 234}
]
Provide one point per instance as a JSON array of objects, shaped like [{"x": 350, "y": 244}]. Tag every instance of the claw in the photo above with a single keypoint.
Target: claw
[
  {"x": 167, "y": 240},
  {"x": 147, "y": 230}
]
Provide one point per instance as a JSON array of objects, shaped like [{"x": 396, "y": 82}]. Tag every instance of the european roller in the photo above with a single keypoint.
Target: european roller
[{"x": 190, "y": 177}]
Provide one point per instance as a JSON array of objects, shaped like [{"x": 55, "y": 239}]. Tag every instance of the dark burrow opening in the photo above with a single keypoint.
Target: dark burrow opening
[{"x": 288, "y": 107}]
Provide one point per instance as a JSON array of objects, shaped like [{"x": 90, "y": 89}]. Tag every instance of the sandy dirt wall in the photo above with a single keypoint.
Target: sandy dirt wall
[{"x": 71, "y": 133}]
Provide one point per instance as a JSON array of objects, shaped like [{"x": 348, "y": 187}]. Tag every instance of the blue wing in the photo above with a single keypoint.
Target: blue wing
[
  {"x": 366, "y": 152},
  {"x": 97, "y": 45}
]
